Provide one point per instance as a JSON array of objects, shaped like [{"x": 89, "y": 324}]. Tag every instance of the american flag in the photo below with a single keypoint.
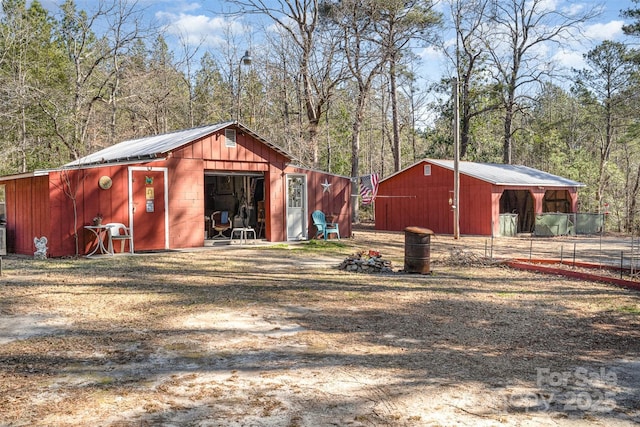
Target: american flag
[{"x": 368, "y": 188}]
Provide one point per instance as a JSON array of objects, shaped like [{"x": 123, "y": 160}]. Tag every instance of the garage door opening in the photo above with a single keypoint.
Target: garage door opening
[
  {"x": 519, "y": 202},
  {"x": 240, "y": 195}
]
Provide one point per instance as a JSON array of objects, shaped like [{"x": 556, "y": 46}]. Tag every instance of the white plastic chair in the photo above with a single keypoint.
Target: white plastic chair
[{"x": 119, "y": 231}]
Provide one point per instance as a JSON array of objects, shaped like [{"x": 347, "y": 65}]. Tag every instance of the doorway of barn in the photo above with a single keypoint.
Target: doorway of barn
[
  {"x": 148, "y": 198},
  {"x": 519, "y": 202},
  {"x": 237, "y": 193}
]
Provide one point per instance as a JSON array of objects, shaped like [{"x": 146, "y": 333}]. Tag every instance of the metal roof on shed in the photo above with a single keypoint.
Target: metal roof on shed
[
  {"x": 499, "y": 174},
  {"x": 515, "y": 175},
  {"x": 157, "y": 146}
]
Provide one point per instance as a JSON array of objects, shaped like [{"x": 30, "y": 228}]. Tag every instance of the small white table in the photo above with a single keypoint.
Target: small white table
[
  {"x": 243, "y": 233},
  {"x": 100, "y": 232}
]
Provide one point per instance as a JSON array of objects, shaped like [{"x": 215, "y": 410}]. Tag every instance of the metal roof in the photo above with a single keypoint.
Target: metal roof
[
  {"x": 157, "y": 146},
  {"x": 499, "y": 174},
  {"x": 515, "y": 175}
]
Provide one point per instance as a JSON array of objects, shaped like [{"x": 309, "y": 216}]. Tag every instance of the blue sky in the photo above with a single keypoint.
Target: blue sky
[{"x": 202, "y": 21}]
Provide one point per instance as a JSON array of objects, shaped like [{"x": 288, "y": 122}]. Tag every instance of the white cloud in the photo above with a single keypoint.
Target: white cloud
[
  {"x": 605, "y": 31},
  {"x": 199, "y": 28},
  {"x": 546, "y": 5},
  {"x": 573, "y": 9},
  {"x": 569, "y": 59},
  {"x": 189, "y": 7},
  {"x": 431, "y": 53}
]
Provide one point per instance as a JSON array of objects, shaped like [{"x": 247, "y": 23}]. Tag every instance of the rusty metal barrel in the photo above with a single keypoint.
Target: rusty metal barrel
[{"x": 417, "y": 250}]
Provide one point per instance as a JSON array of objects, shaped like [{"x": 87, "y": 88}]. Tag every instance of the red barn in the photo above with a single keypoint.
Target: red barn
[
  {"x": 422, "y": 195},
  {"x": 165, "y": 187}
]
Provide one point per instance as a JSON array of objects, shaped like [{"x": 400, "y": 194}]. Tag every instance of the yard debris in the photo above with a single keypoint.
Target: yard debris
[
  {"x": 366, "y": 261},
  {"x": 465, "y": 257}
]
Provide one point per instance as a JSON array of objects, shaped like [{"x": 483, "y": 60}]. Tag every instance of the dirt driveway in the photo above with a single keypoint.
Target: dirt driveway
[{"x": 262, "y": 336}]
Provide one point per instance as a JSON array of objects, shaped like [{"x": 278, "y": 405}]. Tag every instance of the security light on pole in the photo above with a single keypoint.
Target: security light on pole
[{"x": 245, "y": 60}]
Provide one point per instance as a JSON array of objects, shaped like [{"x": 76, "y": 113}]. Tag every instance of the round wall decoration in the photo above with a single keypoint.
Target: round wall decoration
[{"x": 105, "y": 182}]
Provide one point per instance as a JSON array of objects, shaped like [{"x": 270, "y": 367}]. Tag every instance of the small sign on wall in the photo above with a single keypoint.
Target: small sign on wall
[
  {"x": 150, "y": 206},
  {"x": 150, "y": 193}
]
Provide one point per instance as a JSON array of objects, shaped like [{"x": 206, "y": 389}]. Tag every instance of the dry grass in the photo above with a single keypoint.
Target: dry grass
[{"x": 278, "y": 336}]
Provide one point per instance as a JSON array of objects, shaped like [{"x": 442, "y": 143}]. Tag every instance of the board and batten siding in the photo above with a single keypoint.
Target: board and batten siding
[
  {"x": 333, "y": 202},
  {"x": 412, "y": 198},
  {"x": 27, "y": 204}
]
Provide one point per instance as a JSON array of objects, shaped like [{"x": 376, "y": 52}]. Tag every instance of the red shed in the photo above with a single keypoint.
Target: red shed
[
  {"x": 422, "y": 195},
  {"x": 165, "y": 187}
]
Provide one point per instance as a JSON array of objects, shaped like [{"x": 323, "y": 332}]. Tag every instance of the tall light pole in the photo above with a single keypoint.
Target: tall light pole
[
  {"x": 245, "y": 60},
  {"x": 456, "y": 160}
]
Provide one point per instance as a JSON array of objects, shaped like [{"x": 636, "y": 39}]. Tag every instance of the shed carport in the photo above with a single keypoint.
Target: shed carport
[{"x": 422, "y": 195}]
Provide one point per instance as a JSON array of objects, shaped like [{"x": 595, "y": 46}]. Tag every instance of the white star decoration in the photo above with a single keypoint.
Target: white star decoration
[{"x": 325, "y": 186}]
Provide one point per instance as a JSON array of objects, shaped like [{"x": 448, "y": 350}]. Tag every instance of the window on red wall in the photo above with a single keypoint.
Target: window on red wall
[{"x": 230, "y": 138}]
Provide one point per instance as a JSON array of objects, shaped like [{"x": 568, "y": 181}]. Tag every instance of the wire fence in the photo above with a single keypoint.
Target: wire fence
[{"x": 606, "y": 250}]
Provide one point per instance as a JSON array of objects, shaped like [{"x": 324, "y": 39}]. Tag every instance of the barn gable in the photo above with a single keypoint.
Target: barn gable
[{"x": 162, "y": 146}]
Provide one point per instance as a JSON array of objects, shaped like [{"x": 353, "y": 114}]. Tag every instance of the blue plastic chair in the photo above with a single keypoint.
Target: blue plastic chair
[{"x": 324, "y": 228}]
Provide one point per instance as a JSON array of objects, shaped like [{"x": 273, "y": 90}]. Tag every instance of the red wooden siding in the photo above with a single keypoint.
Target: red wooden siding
[
  {"x": 43, "y": 206},
  {"x": 27, "y": 201},
  {"x": 112, "y": 203},
  {"x": 247, "y": 150},
  {"x": 275, "y": 205},
  {"x": 186, "y": 203},
  {"x": 475, "y": 206},
  {"x": 412, "y": 199},
  {"x": 335, "y": 201}
]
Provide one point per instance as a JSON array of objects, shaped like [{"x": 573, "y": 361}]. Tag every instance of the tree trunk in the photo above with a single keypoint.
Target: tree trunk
[
  {"x": 506, "y": 147},
  {"x": 311, "y": 110},
  {"x": 355, "y": 151},
  {"x": 631, "y": 213},
  {"x": 394, "y": 115},
  {"x": 465, "y": 117}
]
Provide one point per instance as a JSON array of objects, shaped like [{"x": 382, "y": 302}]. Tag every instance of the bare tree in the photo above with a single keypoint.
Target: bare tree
[
  {"x": 398, "y": 22},
  {"x": 93, "y": 75},
  {"x": 70, "y": 183},
  {"x": 365, "y": 61},
  {"x": 469, "y": 55},
  {"x": 605, "y": 85},
  {"x": 125, "y": 28},
  {"x": 520, "y": 29},
  {"x": 319, "y": 70},
  {"x": 188, "y": 55},
  {"x": 284, "y": 88}
]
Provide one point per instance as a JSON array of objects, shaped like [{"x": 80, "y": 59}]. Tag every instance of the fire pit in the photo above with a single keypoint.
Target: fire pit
[{"x": 366, "y": 262}]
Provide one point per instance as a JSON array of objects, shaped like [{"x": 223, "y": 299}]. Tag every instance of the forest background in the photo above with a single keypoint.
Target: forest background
[{"x": 336, "y": 83}]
